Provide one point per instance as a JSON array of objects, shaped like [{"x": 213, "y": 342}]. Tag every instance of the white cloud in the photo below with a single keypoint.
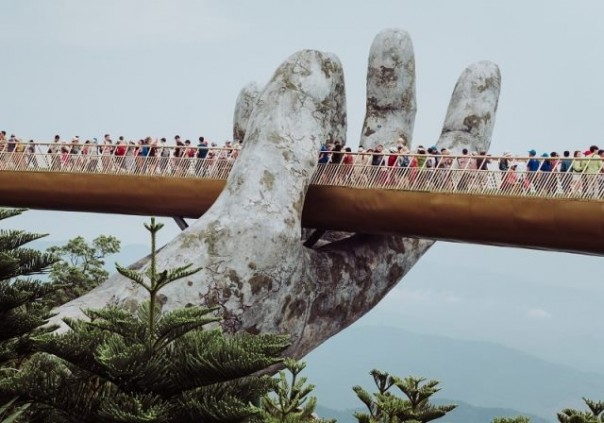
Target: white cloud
[{"x": 538, "y": 314}]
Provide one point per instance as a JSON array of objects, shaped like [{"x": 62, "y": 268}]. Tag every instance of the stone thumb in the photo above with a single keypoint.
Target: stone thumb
[{"x": 301, "y": 108}]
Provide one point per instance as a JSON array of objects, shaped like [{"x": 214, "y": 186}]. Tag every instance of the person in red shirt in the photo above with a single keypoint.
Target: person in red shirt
[{"x": 120, "y": 154}]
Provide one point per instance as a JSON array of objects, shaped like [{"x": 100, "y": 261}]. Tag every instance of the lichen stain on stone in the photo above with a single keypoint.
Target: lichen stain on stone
[
  {"x": 286, "y": 302},
  {"x": 387, "y": 76},
  {"x": 296, "y": 309},
  {"x": 253, "y": 330},
  {"x": 363, "y": 271},
  {"x": 368, "y": 131},
  {"x": 323, "y": 309},
  {"x": 162, "y": 299},
  {"x": 358, "y": 304},
  {"x": 188, "y": 240},
  {"x": 274, "y": 138},
  {"x": 397, "y": 62},
  {"x": 408, "y": 100},
  {"x": 290, "y": 222},
  {"x": 258, "y": 282},
  {"x": 287, "y": 156},
  {"x": 211, "y": 237},
  {"x": 238, "y": 182},
  {"x": 328, "y": 67},
  {"x": 230, "y": 322},
  {"x": 489, "y": 82},
  {"x": 317, "y": 308},
  {"x": 472, "y": 122},
  {"x": 394, "y": 273},
  {"x": 324, "y": 107},
  {"x": 208, "y": 236},
  {"x": 131, "y": 305},
  {"x": 397, "y": 243},
  {"x": 374, "y": 109},
  {"x": 268, "y": 180},
  {"x": 299, "y": 204},
  {"x": 234, "y": 278},
  {"x": 252, "y": 137},
  {"x": 211, "y": 299},
  {"x": 337, "y": 268}
]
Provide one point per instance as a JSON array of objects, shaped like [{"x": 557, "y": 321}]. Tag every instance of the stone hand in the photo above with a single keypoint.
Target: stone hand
[{"x": 249, "y": 244}]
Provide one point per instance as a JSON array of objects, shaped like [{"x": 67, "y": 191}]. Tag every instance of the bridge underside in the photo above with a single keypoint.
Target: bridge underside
[{"x": 551, "y": 224}]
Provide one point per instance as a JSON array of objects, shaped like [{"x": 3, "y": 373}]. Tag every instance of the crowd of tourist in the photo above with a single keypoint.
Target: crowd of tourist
[
  {"x": 581, "y": 172},
  {"x": 151, "y": 155},
  {"x": 398, "y": 166}
]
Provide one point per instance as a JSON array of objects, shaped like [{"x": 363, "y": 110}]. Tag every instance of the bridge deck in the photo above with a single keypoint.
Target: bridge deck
[{"x": 560, "y": 224}]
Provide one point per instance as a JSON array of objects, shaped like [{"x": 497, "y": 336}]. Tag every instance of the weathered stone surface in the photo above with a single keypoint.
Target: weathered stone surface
[
  {"x": 391, "y": 105},
  {"x": 476, "y": 94},
  {"x": 254, "y": 264},
  {"x": 246, "y": 100},
  {"x": 471, "y": 115}
]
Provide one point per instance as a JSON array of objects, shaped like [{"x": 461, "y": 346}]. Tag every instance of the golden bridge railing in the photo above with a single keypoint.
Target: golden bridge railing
[{"x": 444, "y": 173}]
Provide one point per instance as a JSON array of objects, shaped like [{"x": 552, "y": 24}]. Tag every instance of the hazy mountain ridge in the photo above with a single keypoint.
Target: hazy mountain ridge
[{"x": 479, "y": 373}]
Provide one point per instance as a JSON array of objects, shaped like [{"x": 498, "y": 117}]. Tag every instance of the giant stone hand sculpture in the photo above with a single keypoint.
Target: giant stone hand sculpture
[{"x": 249, "y": 243}]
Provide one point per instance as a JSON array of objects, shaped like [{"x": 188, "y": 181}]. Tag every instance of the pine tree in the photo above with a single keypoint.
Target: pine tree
[
  {"x": 80, "y": 266},
  {"x": 594, "y": 415},
  {"x": 23, "y": 306},
  {"x": 22, "y": 300},
  {"x": 289, "y": 401},
  {"x": 385, "y": 407},
  {"x": 150, "y": 366}
]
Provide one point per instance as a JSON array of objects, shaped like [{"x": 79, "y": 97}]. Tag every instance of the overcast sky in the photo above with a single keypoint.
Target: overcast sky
[{"x": 160, "y": 68}]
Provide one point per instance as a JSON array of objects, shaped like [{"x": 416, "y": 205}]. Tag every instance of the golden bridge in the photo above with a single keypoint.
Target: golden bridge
[{"x": 542, "y": 210}]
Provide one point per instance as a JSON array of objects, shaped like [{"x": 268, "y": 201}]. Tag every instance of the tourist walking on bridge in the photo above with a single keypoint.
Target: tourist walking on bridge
[{"x": 591, "y": 171}]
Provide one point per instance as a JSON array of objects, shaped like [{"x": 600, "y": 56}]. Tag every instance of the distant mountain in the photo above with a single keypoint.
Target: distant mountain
[
  {"x": 479, "y": 373},
  {"x": 464, "y": 413}
]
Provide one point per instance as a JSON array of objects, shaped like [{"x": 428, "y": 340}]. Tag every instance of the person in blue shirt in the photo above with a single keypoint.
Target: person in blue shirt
[
  {"x": 565, "y": 168},
  {"x": 547, "y": 183},
  {"x": 533, "y": 164},
  {"x": 202, "y": 148},
  {"x": 324, "y": 155}
]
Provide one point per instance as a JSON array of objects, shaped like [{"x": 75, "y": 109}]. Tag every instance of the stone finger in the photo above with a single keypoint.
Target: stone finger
[{"x": 391, "y": 104}]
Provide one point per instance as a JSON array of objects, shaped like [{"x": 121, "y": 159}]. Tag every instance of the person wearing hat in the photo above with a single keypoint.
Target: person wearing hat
[
  {"x": 546, "y": 177},
  {"x": 11, "y": 144},
  {"x": 504, "y": 163},
  {"x": 532, "y": 167},
  {"x": 509, "y": 179}
]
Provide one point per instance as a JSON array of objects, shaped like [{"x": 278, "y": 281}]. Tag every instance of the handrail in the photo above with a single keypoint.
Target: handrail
[{"x": 414, "y": 172}]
